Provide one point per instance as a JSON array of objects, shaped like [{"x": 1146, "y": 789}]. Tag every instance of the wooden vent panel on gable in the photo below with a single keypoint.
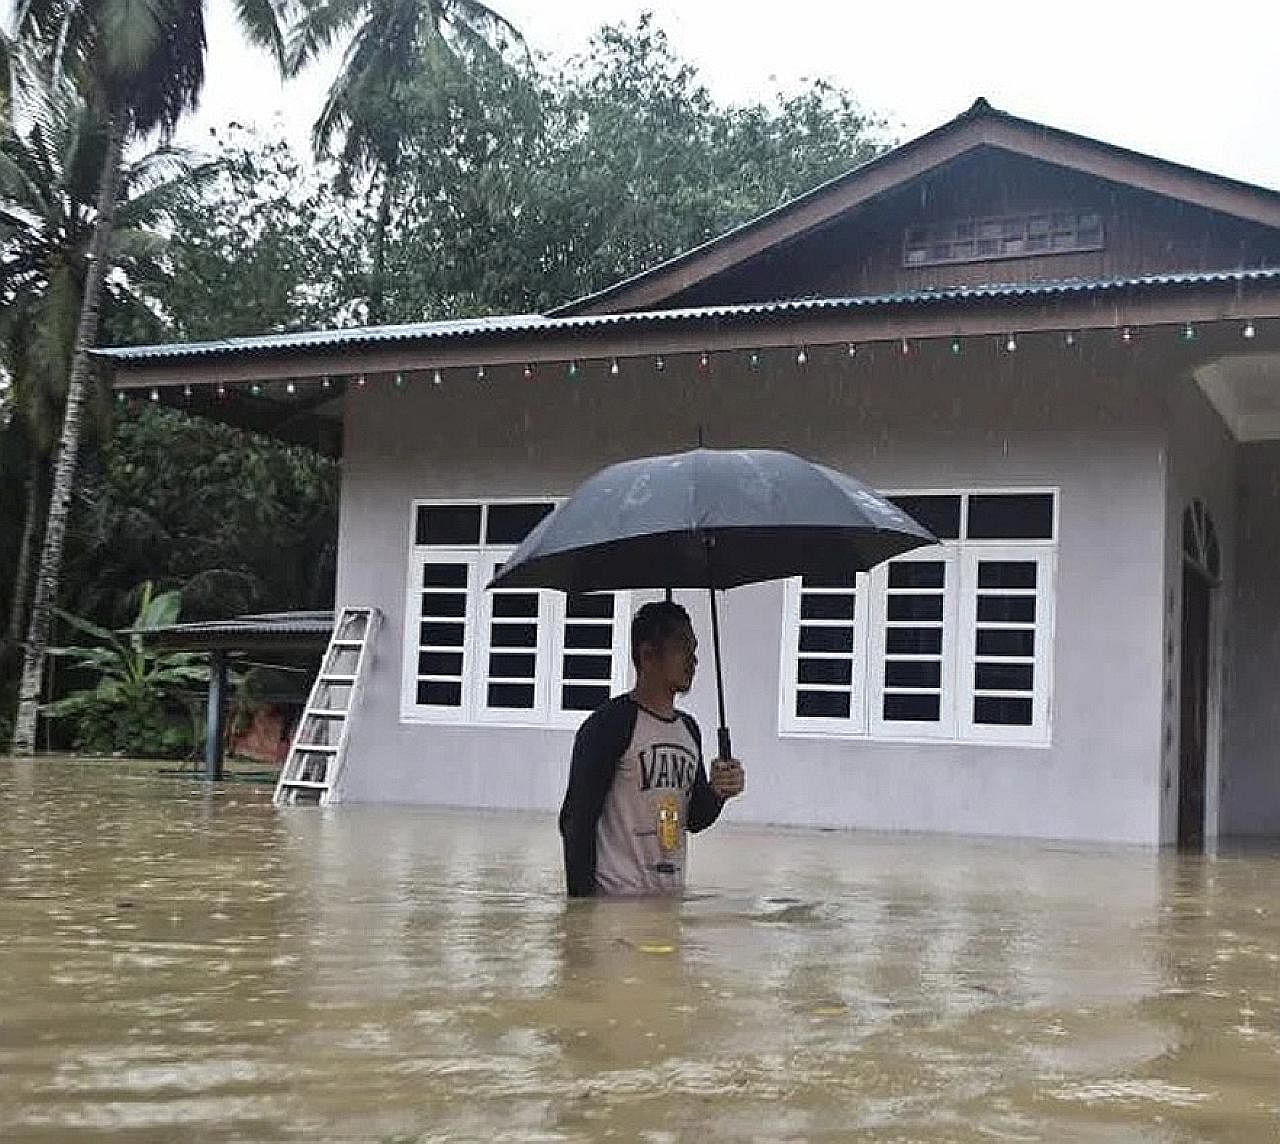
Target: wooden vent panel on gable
[{"x": 1005, "y": 236}]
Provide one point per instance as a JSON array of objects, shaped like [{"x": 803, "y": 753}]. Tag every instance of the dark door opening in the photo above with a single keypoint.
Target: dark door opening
[{"x": 1193, "y": 742}]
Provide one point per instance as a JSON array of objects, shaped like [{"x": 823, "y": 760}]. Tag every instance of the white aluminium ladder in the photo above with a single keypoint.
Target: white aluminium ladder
[{"x": 314, "y": 763}]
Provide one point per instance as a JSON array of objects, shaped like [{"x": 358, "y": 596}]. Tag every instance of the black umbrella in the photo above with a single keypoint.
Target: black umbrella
[{"x": 715, "y": 519}]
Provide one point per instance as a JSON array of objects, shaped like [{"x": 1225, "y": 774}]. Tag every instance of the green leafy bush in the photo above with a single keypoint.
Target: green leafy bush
[{"x": 144, "y": 702}]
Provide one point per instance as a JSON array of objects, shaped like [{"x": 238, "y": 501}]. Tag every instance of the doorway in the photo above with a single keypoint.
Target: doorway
[{"x": 1201, "y": 571}]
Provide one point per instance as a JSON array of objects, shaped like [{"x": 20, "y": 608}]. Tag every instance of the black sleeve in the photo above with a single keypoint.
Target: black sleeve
[
  {"x": 597, "y": 748},
  {"x": 704, "y": 804}
]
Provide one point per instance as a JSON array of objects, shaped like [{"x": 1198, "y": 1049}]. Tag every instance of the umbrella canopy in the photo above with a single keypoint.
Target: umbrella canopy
[{"x": 711, "y": 518}]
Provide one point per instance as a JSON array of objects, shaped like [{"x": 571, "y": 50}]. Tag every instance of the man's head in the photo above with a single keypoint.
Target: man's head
[{"x": 663, "y": 646}]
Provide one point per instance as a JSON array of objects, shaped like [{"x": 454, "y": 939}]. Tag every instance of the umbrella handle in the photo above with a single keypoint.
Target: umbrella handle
[{"x": 726, "y": 747}]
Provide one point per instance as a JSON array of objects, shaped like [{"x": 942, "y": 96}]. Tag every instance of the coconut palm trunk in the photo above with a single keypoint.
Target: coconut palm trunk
[
  {"x": 377, "y": 289},
  {"x": 22, "y": 570},
  {"x": 66, "y": 455}
]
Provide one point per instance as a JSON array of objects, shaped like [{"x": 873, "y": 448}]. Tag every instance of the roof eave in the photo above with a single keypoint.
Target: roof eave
[{"x": 1065, "y": 307}]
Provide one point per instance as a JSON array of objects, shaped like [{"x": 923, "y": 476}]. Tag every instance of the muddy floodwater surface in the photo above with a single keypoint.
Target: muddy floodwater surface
[{"x": 181, "y": 963}]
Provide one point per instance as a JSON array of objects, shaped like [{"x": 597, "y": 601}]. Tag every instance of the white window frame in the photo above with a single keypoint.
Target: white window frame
[
  {"x": 1044, "y": 556},
  {"x": 790, "y": 675},
  {"x": 945, "y": 725},
  {"x": 482, "y": 560},
  {"x": 956, "y": 726}
]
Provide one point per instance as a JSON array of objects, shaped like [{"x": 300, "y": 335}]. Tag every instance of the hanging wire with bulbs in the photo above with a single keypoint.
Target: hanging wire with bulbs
[{"x": 573, "y": 368}]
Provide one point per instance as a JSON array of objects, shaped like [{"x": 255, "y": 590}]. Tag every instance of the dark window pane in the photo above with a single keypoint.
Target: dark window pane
[
  {"x": 826, "y": 607},
  {"x": 940, "y": 515},
  {"x": 511, "y": 523},
  {"x": 597, "y": 606},
  {"x": 588, "y": 667},
  {"x": 512, "y": 665},
  {"x": 577, "y": 697},
  {"x": 1006, "y": 574},
  {"x": 924, "y": 607},
  {"x": 912, "y": 673},
  {"x": 449, "y": 524},
  {"x": 588, "y": 637},
  {"x": 438, "y": 694},
  {"x": 913, "y": 641},
  {"x": 849, "y": 580},
  {"x": 912, "y": 708},
  {"x": 511, "y": 695},
  {"x": 444, "y": 604},
  {"x": 825, "y": 671},
  {"x": 518, "y": 605},
  {"x": 1011, "y": 516},
  {"x": 444, "y": 575},
  {"x": 1000, "y": 641},
  {"x": 1007, "y": 609},
  {"x": 440, "y": 635},
  {"x": 1009, "y": 712},
  {"x": 822, "y": 704},
  {"x": 917, "y": 574},
  {"x": 514, "y": 635},
  {"x": 440, "y": 663},
  {"x": 1003, "y": 676},
  {"x": 813, "y": 638}
]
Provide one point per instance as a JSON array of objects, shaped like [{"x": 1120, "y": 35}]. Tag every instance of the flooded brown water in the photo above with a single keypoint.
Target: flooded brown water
[{"x": 185, "y": 964}]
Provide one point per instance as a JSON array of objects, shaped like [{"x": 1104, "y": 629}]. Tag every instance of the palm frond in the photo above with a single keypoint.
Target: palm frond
[
  {"x": 321, "y": 24},
  {"x": 260, "y": 23}
]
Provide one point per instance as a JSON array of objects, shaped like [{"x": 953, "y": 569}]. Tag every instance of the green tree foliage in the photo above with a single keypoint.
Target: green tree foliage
[
  {"x": 404, "y": 59},
  {"x": 236, "y": 522},
  {"x": 619, "y": 161},
  {"x": 265, "y": 245}
]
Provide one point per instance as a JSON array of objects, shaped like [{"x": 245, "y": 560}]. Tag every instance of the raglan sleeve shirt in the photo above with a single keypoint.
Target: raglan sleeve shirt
[{"x": 597, "y": 750}]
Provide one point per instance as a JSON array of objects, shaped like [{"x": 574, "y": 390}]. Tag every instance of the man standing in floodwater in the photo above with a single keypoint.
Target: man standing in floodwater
[{"x": 637, "y": 785}]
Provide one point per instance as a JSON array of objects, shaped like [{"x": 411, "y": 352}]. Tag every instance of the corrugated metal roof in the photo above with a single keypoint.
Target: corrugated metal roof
[
  {"x": 525, "y": 325},
  {"x": 304, "y": 628}
]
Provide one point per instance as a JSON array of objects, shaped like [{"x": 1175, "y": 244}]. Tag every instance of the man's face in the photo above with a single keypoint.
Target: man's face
[{"x": 675, "y": 660}]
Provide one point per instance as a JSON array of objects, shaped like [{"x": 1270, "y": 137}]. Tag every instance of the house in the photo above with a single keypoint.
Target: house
[{"x": 1060, "y": 355}]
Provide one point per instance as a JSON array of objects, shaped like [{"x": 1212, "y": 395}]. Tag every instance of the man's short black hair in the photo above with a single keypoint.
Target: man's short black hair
[{"x": 654, "y": 624}]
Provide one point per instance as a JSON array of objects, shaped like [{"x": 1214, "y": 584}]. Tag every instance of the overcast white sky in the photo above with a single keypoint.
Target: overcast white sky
[{"x": 1194, "y": 82}]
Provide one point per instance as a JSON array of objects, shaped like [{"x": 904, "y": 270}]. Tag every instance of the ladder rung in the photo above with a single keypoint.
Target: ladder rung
[
  {"x": 337, "y": 679},
  {"x": 314, "y": 748},
  {"x": 346, "y": 643},
  {"x": 325, "y": 713},
  {"x": 307, "y": 784}
]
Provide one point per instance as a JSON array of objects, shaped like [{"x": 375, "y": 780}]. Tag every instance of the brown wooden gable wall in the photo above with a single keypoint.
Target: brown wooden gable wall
[{"x": 861, "y": 253}]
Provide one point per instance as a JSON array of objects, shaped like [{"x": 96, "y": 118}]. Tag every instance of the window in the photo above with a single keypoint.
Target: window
[
  {"x": 1013, "y": 236},
  {"x": 947, "y": 643},
  {"x": 510, "y": 656}
]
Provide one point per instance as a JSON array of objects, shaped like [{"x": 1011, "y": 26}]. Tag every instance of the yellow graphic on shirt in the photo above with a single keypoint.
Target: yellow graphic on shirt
[{"x": 668, "y": 824}]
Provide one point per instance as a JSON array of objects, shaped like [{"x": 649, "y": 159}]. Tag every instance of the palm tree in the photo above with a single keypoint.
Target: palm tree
[
  {"x": 399, "y": 50},
  {"x": 141, "y": 67},
  {"x": 48, "y": 175}
]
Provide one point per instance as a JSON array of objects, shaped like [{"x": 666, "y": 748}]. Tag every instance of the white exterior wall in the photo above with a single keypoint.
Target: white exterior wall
[{"x": 992, "y": 423}]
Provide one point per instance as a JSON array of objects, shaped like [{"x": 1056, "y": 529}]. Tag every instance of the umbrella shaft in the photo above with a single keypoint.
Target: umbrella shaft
[{"x": 722, "y": 733}]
